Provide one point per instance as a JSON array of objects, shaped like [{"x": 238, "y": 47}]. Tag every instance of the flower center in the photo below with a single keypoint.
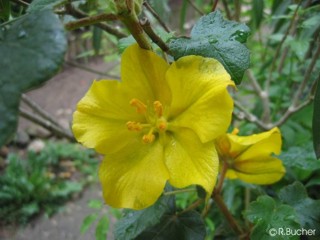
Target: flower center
[{"x": 154, "y": 124}]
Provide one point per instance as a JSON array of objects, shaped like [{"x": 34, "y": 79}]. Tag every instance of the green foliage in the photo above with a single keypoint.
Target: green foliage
[
  {"x": 36, "y": 44},
  {"x": 212, "y": 36},
  {"x": 267, "y": 214},
  {"x": 35, "y": 184},
  {"x": 316, "y": 122},
  {"x": 308, "y": 210},
  {"x": 134, "y": 223}
]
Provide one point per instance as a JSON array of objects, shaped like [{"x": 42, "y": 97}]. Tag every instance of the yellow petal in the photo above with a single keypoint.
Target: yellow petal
[
  {"x": 191, "y": 162},
  {"x": 145, "y": 71},
  {"x": 253, "y": 146},
  {"x": 265, "y": 170},
  {"x": 200, "y": 99},
  {"x": 100, "y": 119},
  {"x": 135, "y": 177}
]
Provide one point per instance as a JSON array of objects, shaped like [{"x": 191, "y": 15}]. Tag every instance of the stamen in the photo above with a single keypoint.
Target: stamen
[
  {"x": 158, "y": 108},
  {"x": 235, "y": 131},
  {"x": 149, "y": 138},
  {"x": 134, "y": 126},
  {"x": 141, "y": 107}
]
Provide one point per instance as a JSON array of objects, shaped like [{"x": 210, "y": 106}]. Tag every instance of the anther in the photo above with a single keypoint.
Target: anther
[
  {"x": 235, "y": 131},
  {"x": 134, "y": 126},
  {"x": 148, "y": 138},
  {"x": 141, "y": 107},
  {"x": 162, "y": 125},
  {"x": 158, "y": 108}
]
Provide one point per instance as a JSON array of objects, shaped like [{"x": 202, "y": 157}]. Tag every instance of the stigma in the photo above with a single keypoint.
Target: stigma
[{"x": 154, "y": 123}]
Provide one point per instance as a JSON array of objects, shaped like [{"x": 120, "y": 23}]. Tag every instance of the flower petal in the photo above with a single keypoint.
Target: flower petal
[
  {"x": 200, "y": 99},
  {"x": 250, "y": 147},
  {"x": 144, "y": 71},
  {"x": 100, "y": 119},
  {"x": 264, "y": 170},
  {"x": 191, "y": 162},
  {"x": 135, "y": 177}
]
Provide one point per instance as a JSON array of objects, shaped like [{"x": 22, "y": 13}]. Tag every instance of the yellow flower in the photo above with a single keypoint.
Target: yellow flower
[
  {"x": 250, "y": 158},
  {"x": 156, "y": 125}
]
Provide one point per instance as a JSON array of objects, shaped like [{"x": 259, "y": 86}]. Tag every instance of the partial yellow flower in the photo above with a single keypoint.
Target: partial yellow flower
[
  {"x": 250, "y": 158},
  {"x": 156, "y": 125}
]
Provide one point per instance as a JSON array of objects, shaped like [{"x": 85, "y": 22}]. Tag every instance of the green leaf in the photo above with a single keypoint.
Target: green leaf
[
  {"x": 96, "y": 39},
  {"x": 316, "y": 122},
  {"x": 5, "y": 10},
  {"x": 187, "y": 226},
  {"x": 214, "y": 37},
  {"x": 102, "y": 228},
  {"x": 135, "y": 222},
  {"x": 87, "y": 222},
  {"x": 38, "y": 5},
  {"x": 95, "y": 204},
  {"x": 269, "y": 216},
  {"x": 307, "y": 209},
  {"x": 32, "y": 51}
]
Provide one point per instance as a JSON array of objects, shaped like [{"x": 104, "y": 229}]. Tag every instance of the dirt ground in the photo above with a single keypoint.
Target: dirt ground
[{"x": 59, "y": 97}]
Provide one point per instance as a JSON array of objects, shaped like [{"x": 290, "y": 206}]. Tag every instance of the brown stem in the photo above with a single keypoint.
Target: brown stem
[
  {"x": 129, "y": 18},
  {"x": 222, "y": 176},
  {"x": 90, "y": 21},
  {"x": 79, "y": 14},
  {"x": 156, "y": 16},
  {"x": 46, "y": 124},
  {"x": 195, "y": 7},
  {"x": 214, "y": 5},
  {"x": 226, "y": 8},
  {"x": 145, "y": 23},
  {"x": 237, "y": 6},
  {"x": 192, "y": 206},
  {"x": 225, "y": 211}
]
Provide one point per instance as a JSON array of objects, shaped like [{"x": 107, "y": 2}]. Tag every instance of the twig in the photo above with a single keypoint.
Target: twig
[
  {"x": 154, "y": 37},
  {"x": 222, "y": 176},
  {"x": 127, "y": 15},
  {"x": 46, "y": 124},
  {"x": 214, "y": 5},
  {"x": 191, "y": 207},
  {"x": 79, "y": 14},
  {"x": 36, "y": 108},
  {"x": 195, "y": 7},
  {"x": 276, "y": 56},
  {"x": 250, "y": 117},
  {"x": 226, "y": 8},
  {"x": 156, "y": 16},
  {"x": 223, "y": 208},
  {"x": 90, "y": 20},
  {"x": 179, "y": 191},
  {"x": 237, "y": 6},
  {"x": 92, "y": 70}
]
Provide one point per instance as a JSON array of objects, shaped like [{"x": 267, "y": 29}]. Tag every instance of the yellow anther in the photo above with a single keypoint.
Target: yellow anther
[
  {"x": 235, "y": 131},
  {"x": 158, "y": 108},
  {"x": 134, "y": 126},
  {"x": 141, "y": 107},
  {"x": 148, "y": 138}
]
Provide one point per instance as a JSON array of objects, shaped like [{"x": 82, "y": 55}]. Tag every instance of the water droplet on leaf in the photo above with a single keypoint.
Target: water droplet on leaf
[
  {"x": 213, "y": 40},
  {"x": 22, "y": 34},
  {"x": 240, "y": 36}
]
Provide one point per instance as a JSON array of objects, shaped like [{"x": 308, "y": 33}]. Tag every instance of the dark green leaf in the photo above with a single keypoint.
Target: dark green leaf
[
  {"x": 38, "y": 5},
  {"x": 32, "y": 50},
  {"x": 268, "y": 215},
  {"x": 307, "y": 209},
  {"x": 212, "y": 36},
  {"x": 300, "y": 158},
  {"x": 87, "y": 222},
  {"x": 135, "y": 222},
  {"x": 102, "y": 228},
  {"x": 316, "y": 122},
  {"x": 186, "y": 226}
]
